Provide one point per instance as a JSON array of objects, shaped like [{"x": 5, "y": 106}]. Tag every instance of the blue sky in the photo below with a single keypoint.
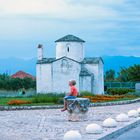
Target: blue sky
[{"x": 109, "y": 27}]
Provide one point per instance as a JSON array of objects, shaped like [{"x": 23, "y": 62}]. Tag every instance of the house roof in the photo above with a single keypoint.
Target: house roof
[
  {"x": 92, "y": 60},
  {"x": 22, "y": 74},
  {"x": 70, "y": 38},
  {"x": 85, "y": 72}
]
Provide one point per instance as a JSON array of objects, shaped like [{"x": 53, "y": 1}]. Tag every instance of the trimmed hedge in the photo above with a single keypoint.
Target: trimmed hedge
[{"x": 119, "y": 91}]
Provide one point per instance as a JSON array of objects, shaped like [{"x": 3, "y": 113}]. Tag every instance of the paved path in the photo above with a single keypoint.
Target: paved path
[{"x": 52, "y": 124}]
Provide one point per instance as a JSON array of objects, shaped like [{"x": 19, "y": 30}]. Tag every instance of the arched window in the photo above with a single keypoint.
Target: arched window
[{"x": 68, "y": 49}]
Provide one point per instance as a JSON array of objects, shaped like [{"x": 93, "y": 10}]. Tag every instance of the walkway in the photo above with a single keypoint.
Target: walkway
[{"x": 52, "y": 124}]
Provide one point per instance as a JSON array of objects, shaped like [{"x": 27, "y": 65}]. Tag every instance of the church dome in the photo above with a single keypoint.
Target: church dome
[{"x": 70, "y": 38}]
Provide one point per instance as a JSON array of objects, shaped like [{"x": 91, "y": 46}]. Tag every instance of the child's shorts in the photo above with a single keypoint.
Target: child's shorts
[{"x": 69, "y": 97}]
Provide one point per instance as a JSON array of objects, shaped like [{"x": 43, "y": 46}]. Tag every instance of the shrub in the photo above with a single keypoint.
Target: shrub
[
  {"x": 86, "y": 93},
  {"x": 48, "y": 98},
  {"x": 137, "y": 94},
  {"x": 18, "y": 102},
  {"x": 119, "y": 91}
]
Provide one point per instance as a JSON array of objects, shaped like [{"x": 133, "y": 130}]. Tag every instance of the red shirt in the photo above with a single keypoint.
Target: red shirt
[{"x": 74, "y": 91}]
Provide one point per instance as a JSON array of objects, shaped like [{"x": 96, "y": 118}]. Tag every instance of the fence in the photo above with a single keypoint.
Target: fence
[
  {"x": 130, "y": 85},
  {"x": 4, "y": 93}
]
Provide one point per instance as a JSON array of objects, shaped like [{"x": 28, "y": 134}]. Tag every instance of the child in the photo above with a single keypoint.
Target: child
[{"x": 72, "y": 95}]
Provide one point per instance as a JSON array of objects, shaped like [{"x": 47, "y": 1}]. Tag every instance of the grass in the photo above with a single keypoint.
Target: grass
[
  {"x": 53, "y": 99},
  {"x": 41, "y": 99}
]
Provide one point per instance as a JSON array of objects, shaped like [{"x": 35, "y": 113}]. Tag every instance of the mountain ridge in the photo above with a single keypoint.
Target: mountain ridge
[{"x": 12, "y": 65}]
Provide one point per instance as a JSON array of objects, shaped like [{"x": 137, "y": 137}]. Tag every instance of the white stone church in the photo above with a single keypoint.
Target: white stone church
[{"x": 53, "y": 74}]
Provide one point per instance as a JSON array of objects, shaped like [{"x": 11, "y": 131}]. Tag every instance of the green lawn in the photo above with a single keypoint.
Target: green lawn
[
  {"x": 4, "y": 101},
  {"x": 47, "y": 100}
]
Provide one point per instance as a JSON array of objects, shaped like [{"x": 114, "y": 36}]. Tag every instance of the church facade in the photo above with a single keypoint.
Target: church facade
[{"x": 53, "y": 74}]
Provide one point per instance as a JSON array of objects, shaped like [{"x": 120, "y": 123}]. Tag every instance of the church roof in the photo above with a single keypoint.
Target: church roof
[
  {"x": 85, "y": 72},
  {"x": 46, "y": 60},
  {"x": 92, "y": 60},
  {"x": 70, "y": 38}
]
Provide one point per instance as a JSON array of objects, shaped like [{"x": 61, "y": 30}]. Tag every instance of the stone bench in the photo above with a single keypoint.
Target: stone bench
[{"x": 77, "y": 109}]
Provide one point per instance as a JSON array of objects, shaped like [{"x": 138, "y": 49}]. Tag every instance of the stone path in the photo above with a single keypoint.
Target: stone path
[{"x": 51, "y": 124}]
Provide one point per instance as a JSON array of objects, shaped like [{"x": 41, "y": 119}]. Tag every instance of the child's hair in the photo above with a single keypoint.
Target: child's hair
[{"x": 73, "y": 82}]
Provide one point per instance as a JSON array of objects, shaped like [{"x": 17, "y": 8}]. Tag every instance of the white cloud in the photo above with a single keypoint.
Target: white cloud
[
  {"x": 57, "y": 8},
  {"x": 110, "y": 24}
]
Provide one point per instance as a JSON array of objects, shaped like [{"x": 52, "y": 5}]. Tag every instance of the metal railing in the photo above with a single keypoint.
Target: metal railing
[{"x": 130, "y": 85}]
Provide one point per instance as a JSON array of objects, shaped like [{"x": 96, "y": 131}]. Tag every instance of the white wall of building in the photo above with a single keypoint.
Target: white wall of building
[
  {"x": 85, "y": 83},
  {"x": 98, "y": 87},
  {"x": 44, "y": 78},
  {"x": 55, "y": 77},
  {"x": 101, "y": 77},
  {"x": 63, "y": 71},
  {"x": 73, "y": 50}
]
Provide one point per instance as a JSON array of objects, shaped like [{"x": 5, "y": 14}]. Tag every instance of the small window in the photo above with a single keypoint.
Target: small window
[{"x": 68, "y": 49}]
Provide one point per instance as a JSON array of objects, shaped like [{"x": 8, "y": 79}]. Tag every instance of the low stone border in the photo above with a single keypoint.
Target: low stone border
[
  {"x": 120, "y": 131},
  {"x": 2, "y": 108},
  {"x": 115, "y": 103}
]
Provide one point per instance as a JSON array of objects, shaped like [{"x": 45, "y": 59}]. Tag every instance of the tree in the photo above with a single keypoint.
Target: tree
[
  {"x": 134, "y": 73},
  {"x": 131, "y": 74},
  {"x": 9, "y": 83},
  {"x": 123, "y": 75},
  {"x": 110, "y": 75}
]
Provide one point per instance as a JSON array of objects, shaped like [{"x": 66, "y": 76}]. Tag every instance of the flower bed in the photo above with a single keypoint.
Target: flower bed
[
  {"x": 106, "y": 98},
  {"x": 18, "y": 102}
]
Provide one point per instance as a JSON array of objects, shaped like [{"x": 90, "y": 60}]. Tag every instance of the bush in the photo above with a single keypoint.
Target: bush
[
  {"x": 119, "y": 91},
  {"x": 137, "y": 94},
  {"x": 86, "y": 93},
  {"x": 18, "y": 102},
  {"x": 48, "y": 98}
]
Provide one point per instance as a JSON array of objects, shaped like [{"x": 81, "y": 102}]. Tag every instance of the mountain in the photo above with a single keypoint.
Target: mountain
[
  {"x": 12, "y": 65},
  {"x": 115, "y": 62}
]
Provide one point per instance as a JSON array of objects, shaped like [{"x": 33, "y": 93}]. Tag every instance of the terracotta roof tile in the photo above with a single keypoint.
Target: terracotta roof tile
[{"x": 22, "y": 74}]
